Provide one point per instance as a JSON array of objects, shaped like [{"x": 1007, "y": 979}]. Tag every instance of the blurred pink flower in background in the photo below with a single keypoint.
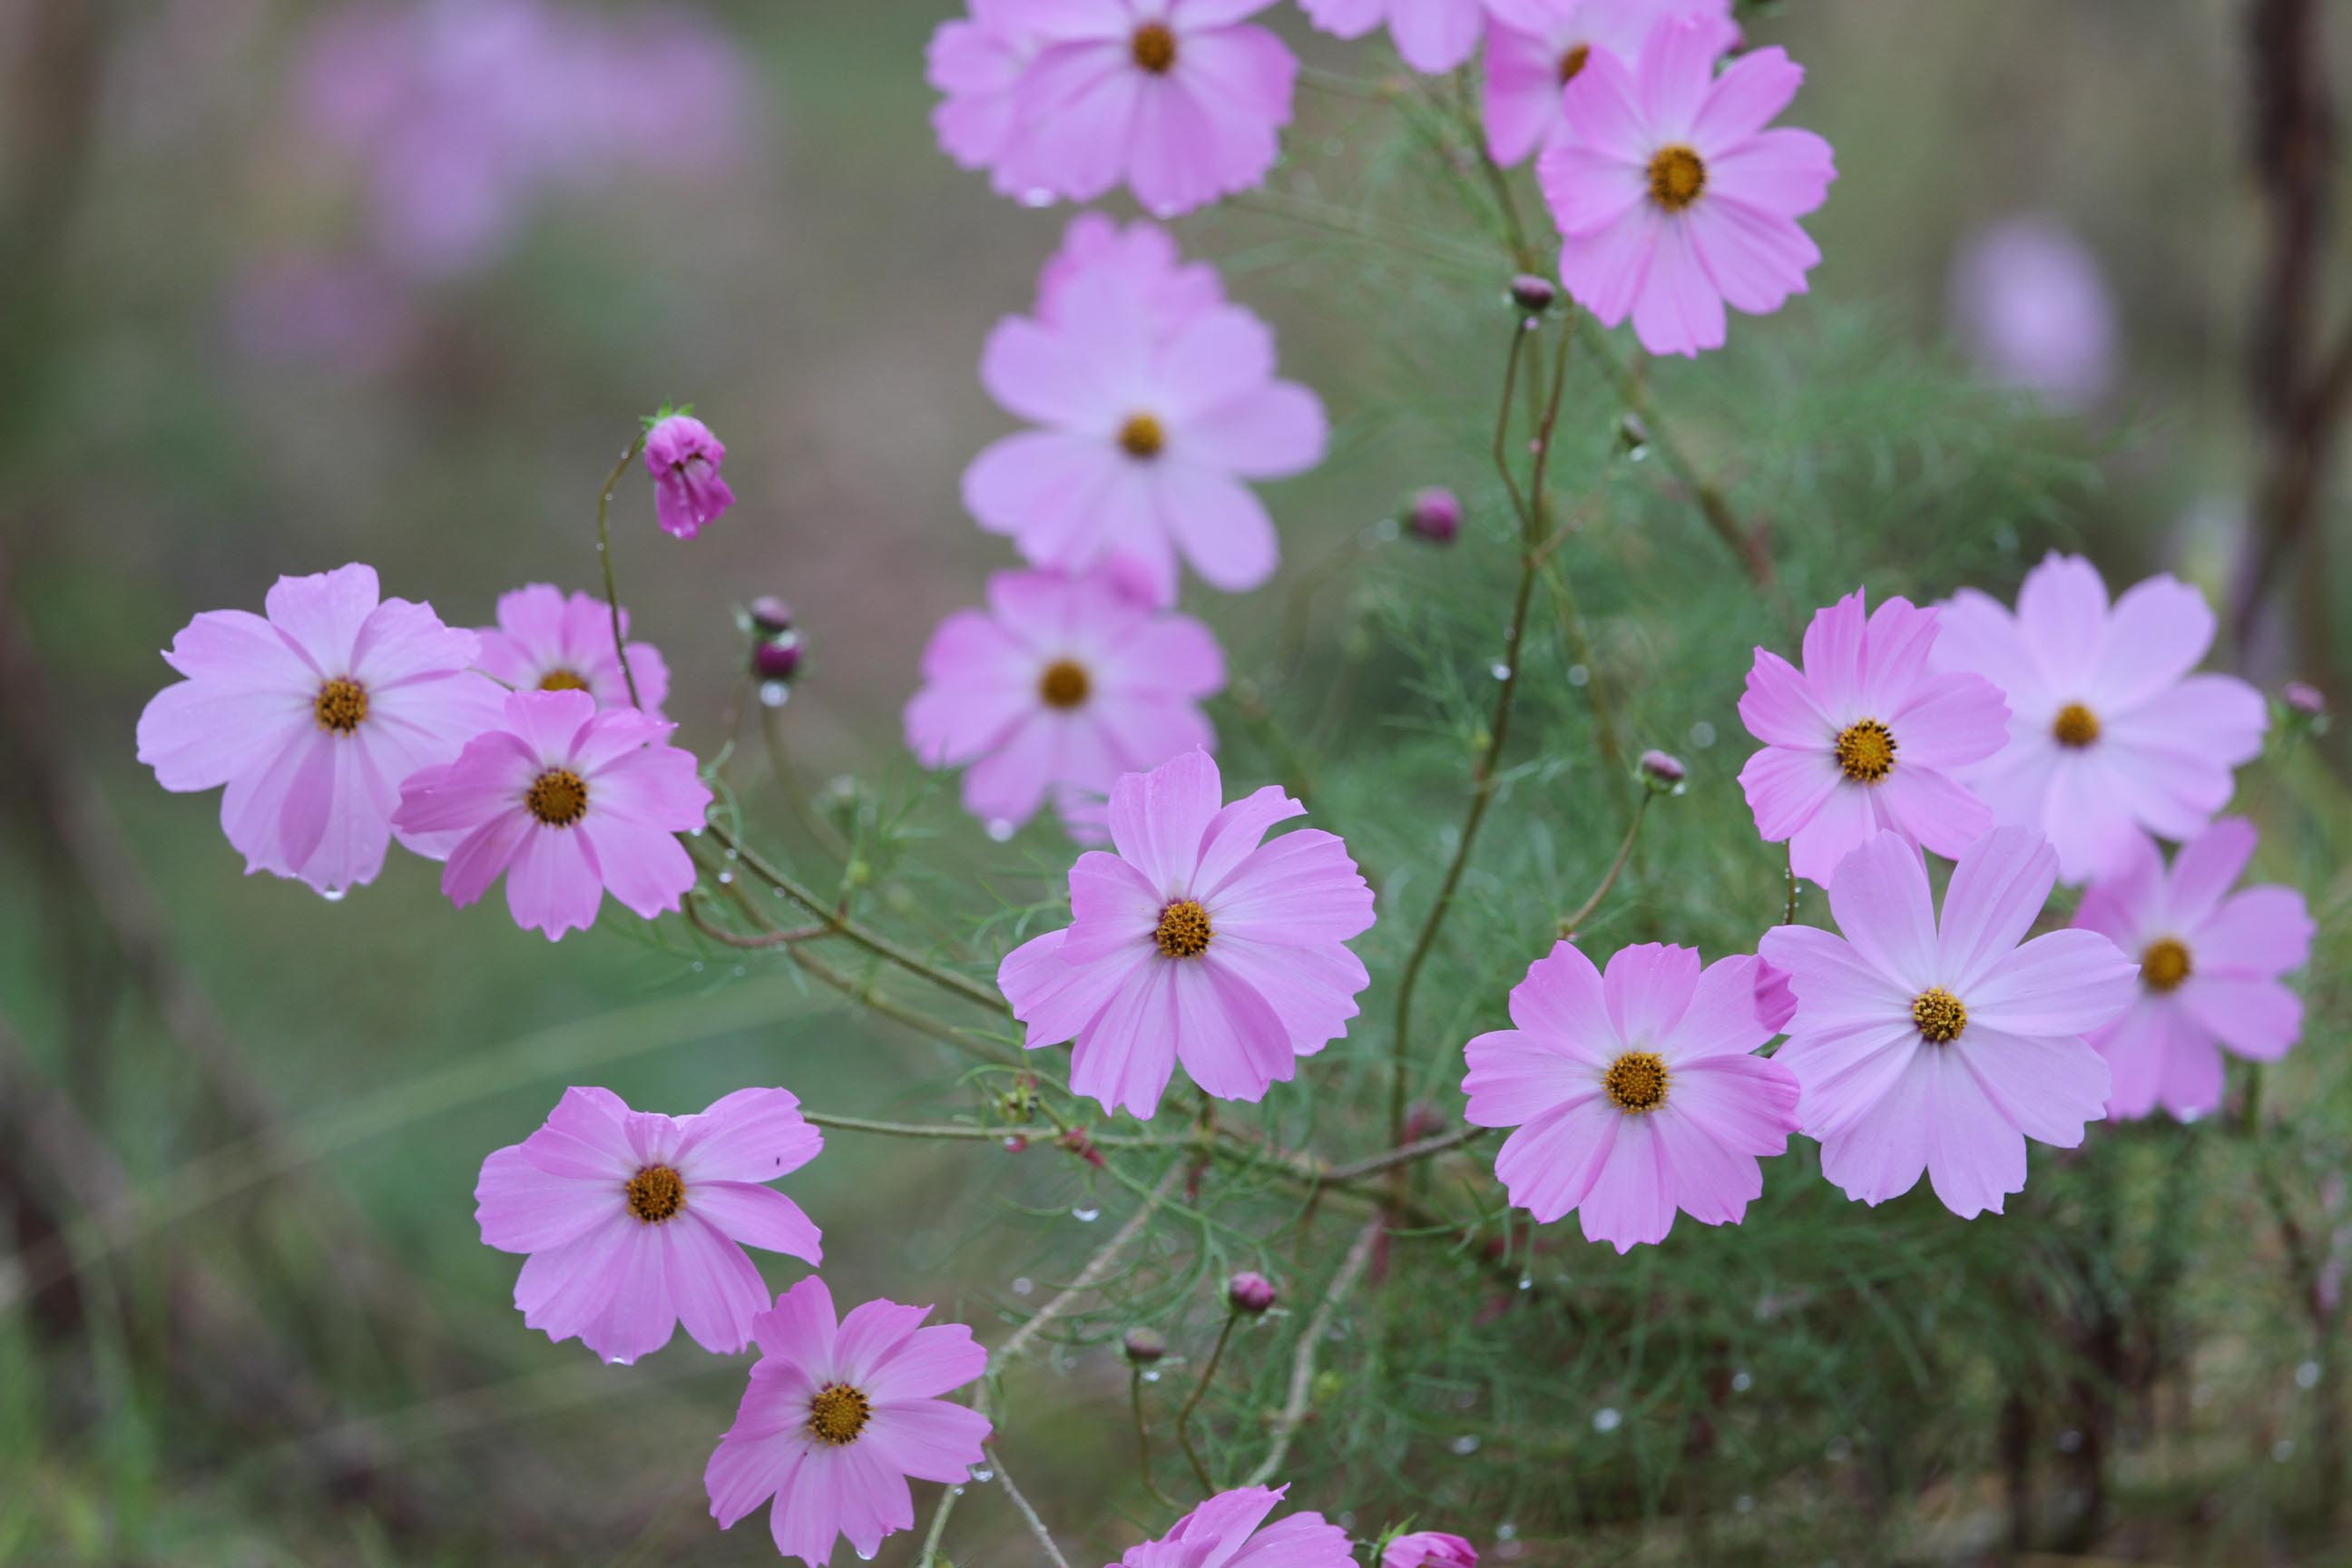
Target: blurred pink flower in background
[
  {"x": 976, "y": 62},
  {"x": 1429, "y": 1549},
  {"x": 1943, "y": 1048},
  {"x": 1145, "y": 259},
  {"x": 636, "y": 1222},
  {"x": 684, "y": 458},
  {"x": 1058, "y": 687},
  {"x": 2109, "y": 733},
  {"x": 2210, "y": 962},
  {"x": 1223, "y": 1533},
  {"x": 2030, "y": 304},
  {"x": 312, "y": 718},
  {"x": 297, "y": 308},
  {"x": 1433, "y": 36},
  {"x": 1674, "y": 198},
  {"x": 1633, "y": 1093},
  {"x": 545, "y": 641},
  {"x": 1536, "y": 48},
  {"x": 838, "y": 1414}
]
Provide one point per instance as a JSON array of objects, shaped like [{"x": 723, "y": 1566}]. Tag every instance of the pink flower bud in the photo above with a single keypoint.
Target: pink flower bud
[
  {"x": 2304, "y": 697},
  {"x": 1435, "y": 515},
  {"x": 771, "y": 614},
  {"x": 1144, "y": 1346},
  {"x": 1663, "y": 769},
  {"x": 1532, "y": 293},
  {"x": 683, "y": 457},
  {"x": 1250, "y": 1292},
  {"x": 776, "y": 658},
  {"x": 1429, "y": 1549}
]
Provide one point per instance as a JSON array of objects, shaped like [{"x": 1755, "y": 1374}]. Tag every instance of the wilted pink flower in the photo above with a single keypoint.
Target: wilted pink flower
[
  {"x": 1147, "y": 439},
  {"x": 683, "y": 457},
  {"x": 1182, "y": 99},
  {"x": 1223, "y": 1533},
  {"x": 1195, "y": 943},
  {"x": 312, "y": 718},
  {"x": 1434, "y": 36},
  {"x": 2210, "y": 962},
  {"x": 1634, "y": 1093},
  {"x": 2109, "y": 732},
  {"x": 1429, "y": 1549},
  {"x": 569, "y": 802},
  {"x": 636, "y": 1222},
  {"x": 1673, "y": 199},
  {"x": 1536, "y": 48},
  {"x": 1144, "y": 258},
  {"x": 977, "y": 62},
  {"x": 1059, "y": 687},
  {"x": 839, "y": 1415},
  {"x": 1866, "y": 738},
  {"x": 1945, "y": 1048},
  {"x": 2029, "y": 303},
  {"x": 547, "y": 642}
]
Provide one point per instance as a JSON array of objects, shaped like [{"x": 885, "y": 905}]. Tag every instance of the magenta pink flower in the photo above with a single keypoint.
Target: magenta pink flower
[
  {"x": 547, "y": 642},
  {"x": 2210, "y": 962},
  {"x": 2030, "y": 304},
  {"x": 977, "y": 63},
  {"x": 1535, "y": 48},
  {"x": 1223, "y": 1533},
  {"x": 569, "y": 802},
  {"x": 839, "y": 1415},
  {"x": 683, "y": 457},
  {"x": 1434, "y": 36},
  {"x": 2109, "y": 732},
  {"x": 1634, "y": 1093},
  {"x": 1147, "y": 439},
  {"x": 1943, "y": 1048},
  {"x": 1195, "y": 943},
  {"x": 312, "y": 718},
  {"x": 1866, "y": 738},
  {"x": 1429, "y": 1549},
  {"x": 635, "y": 1222},
  {"x": 1672, "y": 198},
  {"x": 1144, "y": 258},
  {"x": 1182, "y": 99},
  {"x": 1059, "y": 687}
]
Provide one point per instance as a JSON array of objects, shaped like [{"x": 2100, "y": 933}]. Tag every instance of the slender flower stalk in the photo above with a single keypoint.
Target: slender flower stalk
[
  {"x": 1575, "y": 922},
  {"x": 604, "y": 559},
  {"x": 1192, "y": 1403}
]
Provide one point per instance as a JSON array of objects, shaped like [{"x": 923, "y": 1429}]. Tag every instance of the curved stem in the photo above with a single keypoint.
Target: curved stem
[
  {"x": 1029, "y": 1515},
  {"x": 1143, "y": 1438},
  {"x": 1192, "y": 1403},
  {"x": 604, "y": 554},
  {"x": 1573, "y": 924}
]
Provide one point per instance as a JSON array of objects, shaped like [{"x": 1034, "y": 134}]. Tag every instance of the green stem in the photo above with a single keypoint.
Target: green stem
[
  {"x": 1143, "y": 1438},
  {"x": 604, "y": 555},
  {"x": 1575, "y": 922},
  {"x": 1184, "y": 1416}
]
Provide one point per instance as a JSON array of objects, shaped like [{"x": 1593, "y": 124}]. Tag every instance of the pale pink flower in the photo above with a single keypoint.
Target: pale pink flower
[
  {"x": 977, "y": 62},
  {"x": 545, "y": 641},
  {"x": 1633, "y": 1093},
  {"x": 312, "y": 718},
  {"x": 636, "y": 1222},
  {"x": 2109, "y": 733},
  {"x": 1181, "y": 99},
  {"x": 1434, "y": 36},
  {"x": 1147, "y": 439},
  {"x": 839, "y": 1415},
  {"x": 1195, "y": 943},
  {"x": 1059, "y": 687},
  {"x": 1867, "y": 737},
  {"x": 1429, "y": 1549},
  {"x": 1144, "y": 257},
  {"x": 1672, "y": 198},
  {"x": 1223, "y": 1533},
  {"x": 1944, "y": 1046},
  {"x": 2210, "y": 962},
  {"x": 569, "y": 802},
  {"x": 683, "y": 457},
  {"x": 1536, "y": 48},
  {"x": 2032, "y": 307}
]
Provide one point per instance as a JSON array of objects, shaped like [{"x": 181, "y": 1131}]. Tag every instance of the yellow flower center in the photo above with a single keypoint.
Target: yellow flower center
[
  {"x": 657, "y": 1194},
  {"x": 2076, "y": 726},
  {"x": 2164, "y": 964},
  {"x": 1183, "y": 930},
  {"x": 1676, "y": 177},
  {"x": 1636, "y": 1081},
  {"x": 1573, "y": 61},
  {"x": 1866, "y": 750},
  {"x": 1141, "y": 436},
  {"x": 562, "y": 680},
  {"x": 342, "y": 705},
  {"x": 1939, "y": 1015},
  {"x": 559, "y": 798},
  {"x": 838, "y": 1414},
  {"x": 1064, "y": 685},
  {"x": 1154, "y": 47}
]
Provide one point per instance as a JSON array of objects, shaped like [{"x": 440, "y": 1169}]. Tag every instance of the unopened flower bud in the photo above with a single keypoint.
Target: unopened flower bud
[
  {"x": 1144, "y": 1346},
  {"x": 2304, "y": 697},
  {"x": 776, "y": 658},
  {"x": 1661, "y": 770},
  {"x": 1250, "y": 1292},
  {"x": 1435, "y": 515},
  {"x": 771, "y": 614},
  {"x": 1529, "y": 292}
]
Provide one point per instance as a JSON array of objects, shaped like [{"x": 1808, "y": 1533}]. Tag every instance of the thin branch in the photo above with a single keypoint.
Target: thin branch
[
  {"x": 765, "y": 939},
  {"x": 1575, "y": 922},
  {"x": 1193, "y": 1402},
  {"x": 1036, "y": 1526},
  {"x": 1427, "y": 1148},
  {"x": 605, "y": 556},
  {"x": 1302, "y": 1363}
]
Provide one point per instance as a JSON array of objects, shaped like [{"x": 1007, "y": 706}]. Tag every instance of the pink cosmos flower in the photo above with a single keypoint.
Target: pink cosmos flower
[
  {"x": 1434, "y": 36},
  {"x": 2109, "y": 732},
  {"x": 635, "y": 1222},
  {"x": 1145, "y": 257},
  {"x": 1867, "y": 737},
  {"x": 569, "y": 802},
  {"x": 1059, "y": 687},
  {"x": 312, "y": 718},
  {"x": 547, "y": 642},
  {"x": 2032, "y": 305},
  {"x": 977, "y": 62},
  {"x": 1673, "y": 199},
  {"x": 1944, "y": 1048},
  {"x": 839, "y": 1415},
  {"x": 1634, "y": 1093},
  {"x": 1429, "y": 1549},
  {"x": 1195, "y": 943},
  {"x": 1147, "y": 439},
  {"x": 1536, "y": 48},
  {"x": 2210, "y": 962},
  {"x": 1181, "y": 98},
  {"x": 1223, "y": 1533},
  {"x": 683, "y": 457}
]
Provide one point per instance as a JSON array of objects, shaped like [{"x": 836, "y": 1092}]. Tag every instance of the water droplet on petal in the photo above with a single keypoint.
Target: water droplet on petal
[{"x": 334, "y": 895}]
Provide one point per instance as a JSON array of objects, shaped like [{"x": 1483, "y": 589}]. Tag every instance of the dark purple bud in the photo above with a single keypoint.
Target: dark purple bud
[
  {"x": 776, "y": 658},
  {"x": 1661, "y": 770},
  {"x": 1424, "y": 1121},
  {"x": 1435, "y": 515},
  {"x": 1529, "y": 292},
  {"x": 772, "y": 615},
  {"x": 1144, "y": 1346},
  {"x": 2304, "y": 697},
  {"x": 1250, "y": 1292}
]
